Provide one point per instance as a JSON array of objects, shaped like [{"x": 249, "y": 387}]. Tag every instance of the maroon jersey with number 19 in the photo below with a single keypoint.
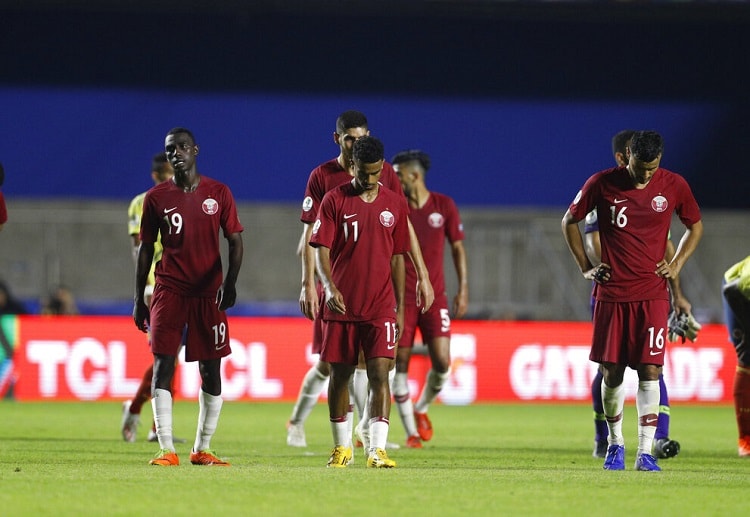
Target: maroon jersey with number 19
[
  {"x": 189, "y": 223},
  {"x": 362, "y": 237}
]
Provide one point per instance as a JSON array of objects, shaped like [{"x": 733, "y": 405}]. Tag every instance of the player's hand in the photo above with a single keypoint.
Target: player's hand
[
  {"x": 460, "y": 304},
  {"x": 308, "y": 302},
  {"x": 681, "y": 304},
  {"x": 683, "y": 326},
  {"x": 226, "y": 296},
  {"x": 425, "y": 295},
  {"x": 666, "y": 270},
  {"x": 141, "y": 316},
  {"x": 335, "y": 301},
  {"x": 599, "y": 274}
]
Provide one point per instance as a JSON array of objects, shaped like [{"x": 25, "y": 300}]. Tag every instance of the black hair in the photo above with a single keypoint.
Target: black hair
[
  {"x": 413, "y": 155},
  {"x": 646, "y": 145},
  {"x": 177, "y": 130},
  {"x": 620, "y": 141},
  {"x": 159, "y": 162},
  {"x": 368, "y": 149},
  {"x": 350, "y": 119}
]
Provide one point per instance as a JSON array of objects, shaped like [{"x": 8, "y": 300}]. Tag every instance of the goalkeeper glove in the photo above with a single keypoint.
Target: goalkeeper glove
[{"x": 683, "y": 326}]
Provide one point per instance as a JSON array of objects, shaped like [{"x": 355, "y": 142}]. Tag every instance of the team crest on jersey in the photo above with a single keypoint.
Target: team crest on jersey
[
  {"x": 659, "y": 203},
  {"x": 210, "y": 206},
  {"x": 436, "y": 220},
  {"x": 307, "y": 204},
  {"x": 387, "y": 219}
]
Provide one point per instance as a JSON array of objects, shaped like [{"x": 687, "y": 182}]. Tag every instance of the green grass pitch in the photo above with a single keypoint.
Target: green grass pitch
[{"x": 69, "y": 459}]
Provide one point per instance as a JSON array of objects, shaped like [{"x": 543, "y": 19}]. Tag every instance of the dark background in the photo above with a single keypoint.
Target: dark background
[{"x": 600, "y": 55}]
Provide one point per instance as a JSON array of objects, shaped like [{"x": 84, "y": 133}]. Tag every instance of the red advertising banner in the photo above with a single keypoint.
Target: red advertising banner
[{"x": 104, "y": 358}]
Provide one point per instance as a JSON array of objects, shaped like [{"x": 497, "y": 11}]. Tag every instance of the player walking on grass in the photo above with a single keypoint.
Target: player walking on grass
[
  {"x": 664, "y": 446},
  {"x": 189, "y": 298},
  {"x": 350, "y": 125},
  {"x": 361, "y": 234},
  {"x": 736, "y": 291},
  {"x": 161, "y": 171},
  {"x": 435, "y": 218},
  {"x": 635, "y": 204}
]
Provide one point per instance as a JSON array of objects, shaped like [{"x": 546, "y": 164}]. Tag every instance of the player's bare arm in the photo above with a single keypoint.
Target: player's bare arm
[
  {"x": 334, "y": 298},
  {"x": 685, "y": 249},
  {"x": 398, "y": 279},
  {"x": 308, "y": 296},
  {"x": 461, "y": 300},
  {"x": 227, "y": 295},
  {"x": 574, "y": 239},
  {"x": 141, "y": 313},
  {"x": 425, "y": 292},
  {"x": 680, "y": 303}
]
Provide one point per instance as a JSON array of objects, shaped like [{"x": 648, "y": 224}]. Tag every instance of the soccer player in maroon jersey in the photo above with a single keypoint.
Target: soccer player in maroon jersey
[
  {"x": 360, "y": 236},
  {"x": 635, "y": 204},
  {"x": 664, "y": 446},
  {"x": 350, "y": 125},
  {"x": 435, "y": 218},
  {"x": 189, "y": 298}
]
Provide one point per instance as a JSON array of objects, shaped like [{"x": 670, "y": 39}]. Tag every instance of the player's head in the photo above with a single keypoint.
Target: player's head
[
  {"x": 647, "y": 146},
  {"x": 350, "y": 125},
  {"x": 620, "y": 144},
  {"x": 644, "y": 155},
  {"x": 161, "y": 169},
  {"x": 350, "y": 119},
  {"x": 411, "y": 166},
  {"x": 181, "y": 149},
  {"x": 368, "y": 158}
]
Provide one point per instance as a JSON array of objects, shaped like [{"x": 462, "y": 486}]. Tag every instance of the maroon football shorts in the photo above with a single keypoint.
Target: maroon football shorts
[
  {"x": 436, "y": 322},
  {"x": 342, "y": 340},
  {"x": 630, "y": 333},
  {"x": 207, "y": 332}
]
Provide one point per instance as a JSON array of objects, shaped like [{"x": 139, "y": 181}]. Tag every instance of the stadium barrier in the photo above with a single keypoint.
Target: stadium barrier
[{"x": 104, "y": 357}]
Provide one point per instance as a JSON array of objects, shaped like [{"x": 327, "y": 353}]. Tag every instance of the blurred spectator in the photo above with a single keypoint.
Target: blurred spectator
[
  {"x": 60, "y": 302},
  {"x": 8, "y": 303}
]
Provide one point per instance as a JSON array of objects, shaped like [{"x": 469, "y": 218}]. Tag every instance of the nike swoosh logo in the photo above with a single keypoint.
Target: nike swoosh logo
[
  {"x": 220, "y": 347},
  {"x": 620, "y": 200},
  {"x": 651, "y": 352},
  {"x": 349, "y": 216},
  {"x": 166, "y": 211},
  {"x": 650, "y": 421},
  {"x": 391, "y": 347}
]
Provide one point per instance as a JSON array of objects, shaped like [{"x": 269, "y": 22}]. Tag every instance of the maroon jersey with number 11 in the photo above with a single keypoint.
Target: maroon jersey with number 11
[{"x": 362, "y": 237}]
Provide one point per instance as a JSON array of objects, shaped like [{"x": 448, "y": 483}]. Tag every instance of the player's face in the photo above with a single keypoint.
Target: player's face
[
  {"x": 367, "y": 175},
  {"x": 641, "y": 171},
  {"x": 406, "y": 173},
  {"x": 164, "y": 174},
  {"x": 346, "y": 140},
  {"x": 181, "y": 152}
]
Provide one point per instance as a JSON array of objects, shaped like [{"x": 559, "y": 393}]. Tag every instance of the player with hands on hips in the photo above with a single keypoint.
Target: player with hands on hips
[{"x": 632, "y": 306}]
